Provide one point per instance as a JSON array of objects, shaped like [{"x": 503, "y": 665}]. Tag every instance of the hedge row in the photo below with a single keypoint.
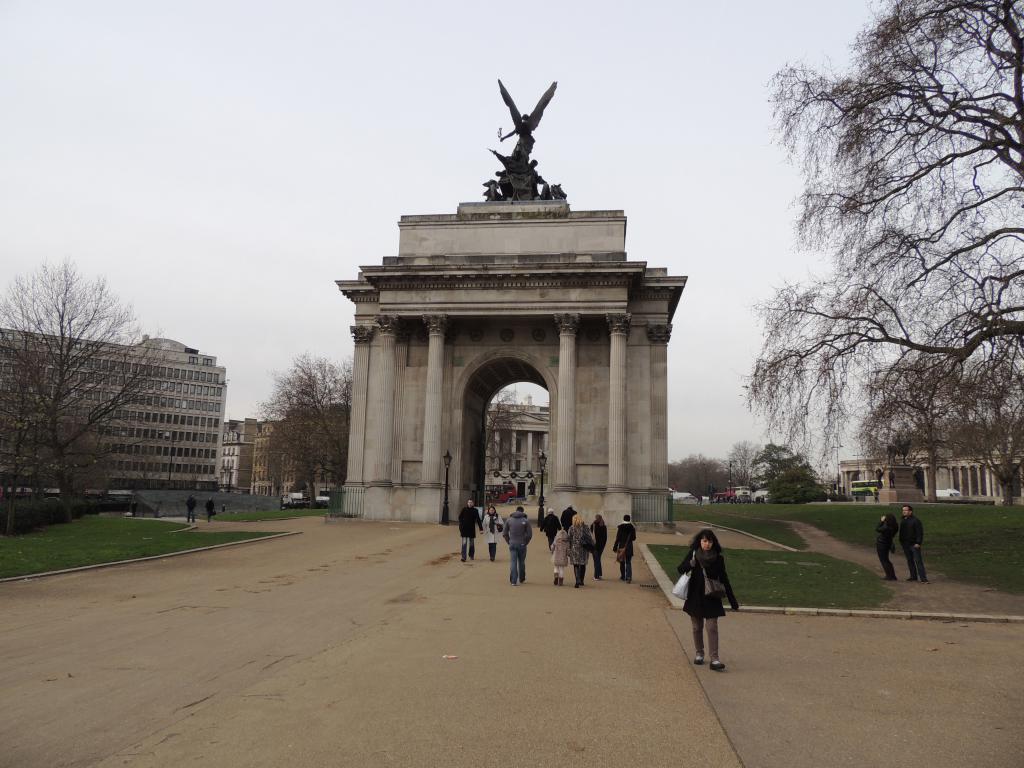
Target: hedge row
[{"x": 30, "y": 515}]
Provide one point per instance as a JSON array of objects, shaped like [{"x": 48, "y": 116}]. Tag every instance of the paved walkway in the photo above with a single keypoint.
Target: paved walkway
[{"x": 326, "y": 650}]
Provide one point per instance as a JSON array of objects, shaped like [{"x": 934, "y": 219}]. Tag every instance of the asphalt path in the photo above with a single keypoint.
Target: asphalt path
[{"x": 327, "y": 649}]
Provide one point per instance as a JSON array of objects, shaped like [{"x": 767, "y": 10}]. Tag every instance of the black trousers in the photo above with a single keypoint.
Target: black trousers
[
  {"x": 581, "y": 572},
  {"x": 883, "y": 558}
]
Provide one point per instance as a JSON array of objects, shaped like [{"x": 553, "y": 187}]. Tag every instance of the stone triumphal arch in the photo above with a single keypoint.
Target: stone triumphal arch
[{"x": 497, "y": 293}]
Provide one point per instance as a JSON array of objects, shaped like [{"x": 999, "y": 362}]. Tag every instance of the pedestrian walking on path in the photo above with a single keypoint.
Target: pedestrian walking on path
[
  {"x": 887, "y": 530},
  {"x": 551, "y": 526},
  {"x": 469, "y": 521},
  {"x": 625, "y": 535},
  {"x": 567, "y": 515},
  {"x": 581, "y": 544},
  {"x": 600, "y": 533},
  {"x": 911, "y": 539},
  {"x": 517, "y": 535},
  {"x": 493, "y": 526},
  {"x": 190, "y": 505},
  {"x": 709, "y": 583},
  {"x": 560, "y": 556},
  {"x": 211, "y": 510}
]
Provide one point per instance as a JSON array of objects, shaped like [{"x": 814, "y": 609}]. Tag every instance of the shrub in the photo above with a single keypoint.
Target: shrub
[{"x": 30, "y": 514}]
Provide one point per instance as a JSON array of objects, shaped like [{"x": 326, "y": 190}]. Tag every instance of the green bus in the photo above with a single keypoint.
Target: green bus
[{"x": 864, "y": 487}]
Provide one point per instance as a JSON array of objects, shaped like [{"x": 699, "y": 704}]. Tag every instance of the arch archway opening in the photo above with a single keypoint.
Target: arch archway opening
[{"x": 506, "y": 426}]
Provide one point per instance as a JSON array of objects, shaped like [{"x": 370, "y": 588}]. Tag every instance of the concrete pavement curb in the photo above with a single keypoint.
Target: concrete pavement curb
[
  {"x": 666, "y": 587},
  {"x": 95, "y": 566}
]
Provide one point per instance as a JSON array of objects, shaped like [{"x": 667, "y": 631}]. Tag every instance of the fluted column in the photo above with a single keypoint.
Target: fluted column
[
  {"x": 618, "y": 327},
  {"x": 385, "y": 399},
  {"x": 362, "y": 335},
  {"x": 658, "y": 336},
  {"x": 430, "y": 474},
  {"x": 565, "y": 461}
]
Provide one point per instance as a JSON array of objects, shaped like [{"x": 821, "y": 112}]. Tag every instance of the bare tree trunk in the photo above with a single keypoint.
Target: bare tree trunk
[
  {"x": 930, "y": 472},
  {"x": 9, "y": 525}
]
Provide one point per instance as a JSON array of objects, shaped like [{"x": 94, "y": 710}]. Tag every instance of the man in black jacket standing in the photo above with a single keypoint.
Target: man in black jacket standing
[
  {"x": 469, "y": 521},
  {"x": 911, "y": 538}
]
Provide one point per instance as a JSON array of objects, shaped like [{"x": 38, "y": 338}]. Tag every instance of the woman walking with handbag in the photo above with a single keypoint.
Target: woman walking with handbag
[
  {"x": 493, "y": 525},
  {"x": 709, "y": 583},
  {"x": 625, "y": 535},
  {"x": 581, "y": 543}
]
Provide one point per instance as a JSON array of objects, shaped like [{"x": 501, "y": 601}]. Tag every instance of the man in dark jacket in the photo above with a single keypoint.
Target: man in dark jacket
[
  {"x": 211, "y": 509},
  {"x": 625, "y": 535},
  {"x": 469, "y": 521},
  {"x": 567, "y": 515},
  {"x": 517, "y": 534},
  {"x": 190, "y": 505},
  {"x": 911, "y": 538},
  {"x": 550, "y": 526}
]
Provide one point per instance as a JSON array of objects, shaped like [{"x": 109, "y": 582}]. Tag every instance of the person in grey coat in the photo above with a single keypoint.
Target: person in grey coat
[{"x": 517, "y": 535}]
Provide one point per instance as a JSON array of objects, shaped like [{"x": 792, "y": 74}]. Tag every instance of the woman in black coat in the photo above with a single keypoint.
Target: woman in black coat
[
  {"x": 600, "y": 532},
  {"x": 886, "y": 530},
  {"x": 706, "y": 558}
]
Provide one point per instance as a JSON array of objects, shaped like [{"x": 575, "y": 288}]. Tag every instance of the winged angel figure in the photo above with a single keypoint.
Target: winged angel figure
[
  {"x": 519, "y": 180},
  {"x": 525, "y": 125}
]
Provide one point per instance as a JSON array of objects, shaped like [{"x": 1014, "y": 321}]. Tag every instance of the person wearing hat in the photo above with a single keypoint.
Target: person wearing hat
[
  {"x": 469, "y": 521},
  {"x": 551, "y": 527}
]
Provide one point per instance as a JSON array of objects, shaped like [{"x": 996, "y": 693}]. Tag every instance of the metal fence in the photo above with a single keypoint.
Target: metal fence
[
  {"x": 346, "y": 502},
  {"x": 651, "y": 508}
]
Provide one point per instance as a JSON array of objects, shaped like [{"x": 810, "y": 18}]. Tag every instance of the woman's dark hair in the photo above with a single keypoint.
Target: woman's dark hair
[
  {"x": 890, "y": 522},
  {"x": 708, "y": 534}
]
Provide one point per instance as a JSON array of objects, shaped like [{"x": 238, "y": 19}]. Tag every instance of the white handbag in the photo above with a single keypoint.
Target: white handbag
[{"x": 681, "y": 587}]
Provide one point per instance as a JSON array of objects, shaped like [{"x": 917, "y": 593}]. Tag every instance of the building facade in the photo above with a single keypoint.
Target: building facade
[
  {"x": 519, "y": 435},
  {"x": 172, "y": 437},
  {"x": 237, "y": 445},
  {"x": 971, "y": 479}
]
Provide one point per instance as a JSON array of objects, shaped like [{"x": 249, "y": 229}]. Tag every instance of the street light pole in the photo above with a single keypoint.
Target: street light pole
[
  {"x": 444, "y": 508},
  {"x": 543, "y": 460},
  {"x": 170, "y": 459}
]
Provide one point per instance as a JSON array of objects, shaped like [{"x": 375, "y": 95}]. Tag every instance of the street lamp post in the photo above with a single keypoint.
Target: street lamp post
[
  {"x": 444, "y": 507},
  {"x": 543, "y": 460}
]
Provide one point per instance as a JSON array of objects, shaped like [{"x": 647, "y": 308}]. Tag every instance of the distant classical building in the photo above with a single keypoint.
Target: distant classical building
[
  {"x": 237, "y": 446},
  {"x": 970, "y": 478},
  {"x": 172, "y": 438},
  {"x": 273, "y": 474},
  {"x": 519, "y": 433}
]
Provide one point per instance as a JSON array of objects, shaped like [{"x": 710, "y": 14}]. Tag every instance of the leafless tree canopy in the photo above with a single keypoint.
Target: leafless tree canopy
[
  {"x": 499, "y": 427},
  {"x": 71, "y": 363},
  {"x": 742, "y": 456},
  {"x": 914, "y": 183},
  {"x": 310, "y": 406}
]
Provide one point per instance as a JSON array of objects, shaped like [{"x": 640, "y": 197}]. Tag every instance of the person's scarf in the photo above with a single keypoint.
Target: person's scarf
[
  {"x": 493, "y": 521},
  {"x": 705, "y": 559}
]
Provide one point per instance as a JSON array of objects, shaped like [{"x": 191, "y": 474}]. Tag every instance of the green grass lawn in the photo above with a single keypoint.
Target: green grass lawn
[
  {"x": 269, "y": 514},
  {"x": 975, "y": 544},
  {"x": 720, "y": 514},
  {"x": 92, "y": 540},
  {"x": 790, "y": 579}
]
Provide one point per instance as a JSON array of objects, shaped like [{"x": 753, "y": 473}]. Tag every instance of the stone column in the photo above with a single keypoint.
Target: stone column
[
  {"x": 362, "y": 335},
  {"x": 658, "y": 336},
  {"x": 618, "y": 327},
  {"x": 430, "y": 472},
  {"x": 382, "y": 401},
  {"x": 565, "y": 461}
]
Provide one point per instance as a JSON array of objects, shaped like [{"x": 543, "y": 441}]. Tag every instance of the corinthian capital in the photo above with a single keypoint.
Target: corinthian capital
[
  {"x": 659, "y": 334},
  {"x": 363, "y": 334},
  {"x": 389, "y": 324},
  {"x": 436, "y": 323},
  {"x": 567, "y": 323},
  {"x": 618, "y": 323}
]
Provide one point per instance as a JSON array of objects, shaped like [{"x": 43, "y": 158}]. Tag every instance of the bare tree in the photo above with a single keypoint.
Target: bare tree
[
  {"x": 310, "y": 406},
  {"x": 697, "y": 474},
  {"x": 77, "y": 352},
  {"x": 911, "y": 401},
  {"x": 913, "y": 164},
  {"x": 742, "y": 456},
  {"x": 990, "y": 416},
  {"x": 499, "y": 429}
]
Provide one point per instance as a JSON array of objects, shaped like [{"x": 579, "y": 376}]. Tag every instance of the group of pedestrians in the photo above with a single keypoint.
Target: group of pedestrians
[
  {"x": 570, "y": 541},
  {"x": 911, "y": 536},
  {"x": 190, "y": 507}
]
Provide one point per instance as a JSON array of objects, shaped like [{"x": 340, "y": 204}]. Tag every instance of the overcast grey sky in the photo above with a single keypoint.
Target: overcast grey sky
[{"x": 222, "y": 163}]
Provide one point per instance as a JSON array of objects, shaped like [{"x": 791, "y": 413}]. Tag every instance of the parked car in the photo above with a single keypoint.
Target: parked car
[
  {"x": 948, "y": 493},
  {"x": 294, "y": 501},
  {"x": 683, "y": 497},
  {"x": 322, "y": 502}
]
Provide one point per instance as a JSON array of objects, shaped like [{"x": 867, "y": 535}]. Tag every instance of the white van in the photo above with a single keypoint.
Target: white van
[{"x": 948, "y": 493}]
